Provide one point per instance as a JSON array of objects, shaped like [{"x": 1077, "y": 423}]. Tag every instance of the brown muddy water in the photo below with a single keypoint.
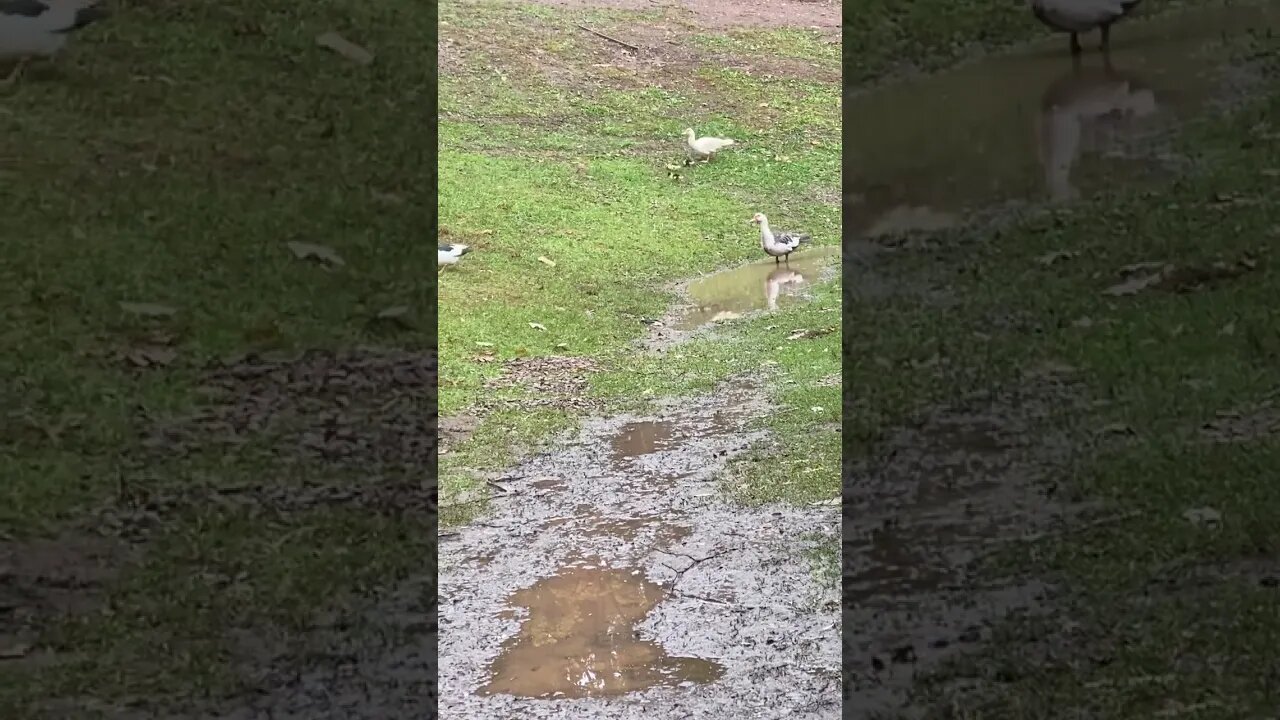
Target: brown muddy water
[
  {"x": 631, "y": 589},
  {"x": 579, "y": 639},
  {"x": 641, "y": 438},
  {"x": 762, "y": 285},
  {"x": 1032, "y": 126}
]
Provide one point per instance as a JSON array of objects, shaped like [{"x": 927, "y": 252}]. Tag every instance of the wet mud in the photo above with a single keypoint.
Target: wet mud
[
  {"x": 579, "y": 639},
  {"x": 629, "y": 588},
  {"x": 921, "y": 517},
  {"x": 1032, "y": 126},
  {"x": 49, "y": 579}
]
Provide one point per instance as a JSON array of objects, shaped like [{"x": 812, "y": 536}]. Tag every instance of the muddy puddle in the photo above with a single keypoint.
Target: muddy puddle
[
  {"x": 762, "y": 285},
  {"x": 630, "y": 589},
  {"x": 1032, "y": 126},
  {"x": 641, "y": 438},
  {"x": 580, "y": 639}
]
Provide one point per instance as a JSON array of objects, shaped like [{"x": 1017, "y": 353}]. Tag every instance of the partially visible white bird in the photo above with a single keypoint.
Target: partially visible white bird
[
  {"x": 777, "y": 245},
  {"x": 39, "y": 28},
  {"x": 450, "y": 254},
  {"x": 705, "y": 147},
  {"x": 1080, "y": 16}
]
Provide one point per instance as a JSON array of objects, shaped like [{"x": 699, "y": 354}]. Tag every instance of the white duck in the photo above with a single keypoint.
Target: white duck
[
  {"x": 450, "y": 253},
  {"x": 777, "y": 245},
  {"x": 1080, "y": 113},
  {"x": 1080, "y": 16},
  {"x": 40, "y": 28},
  {"x": 705, "y": 147}
]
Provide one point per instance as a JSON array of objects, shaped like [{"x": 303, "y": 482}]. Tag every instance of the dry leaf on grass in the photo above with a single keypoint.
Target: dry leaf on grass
[
  {"x": 1134, "y": 284},
  {"x": 1203, "y": 517},
  {"x": 344, "y": 47},
  {"x": 311, "y": 251},
  {"x": 151, "y": 356},
  {"x": 538, "y": 326},
  {"x": 1056, "y": 256},
  {"x": 546, "y": 261},
  {"x": 147, "y": 309},
  {"x": 806, "y": 334}
]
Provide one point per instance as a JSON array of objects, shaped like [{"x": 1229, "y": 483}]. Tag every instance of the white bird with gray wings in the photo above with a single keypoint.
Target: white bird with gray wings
[
  {"x": 450, "y": 254},
  {"x": 1081, "y": 16},
  {"x": 780, "y": 244},
  {"x": 39, "y": 28}
]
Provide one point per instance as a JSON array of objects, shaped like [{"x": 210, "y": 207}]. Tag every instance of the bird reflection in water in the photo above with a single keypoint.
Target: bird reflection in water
[
  {"x": 777, "y": 280},
  {"x": 758, "y": 286},
  {"x": 1087, "y": 110}
]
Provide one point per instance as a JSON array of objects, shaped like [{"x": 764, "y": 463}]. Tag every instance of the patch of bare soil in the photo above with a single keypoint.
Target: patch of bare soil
[
  {"x": 44, "y": 580},
  {"x": 823, "y": 14},
  {"x": 1257, "y": 421},
  {"x": 642, "y": 55},
  {"x": 554, "y": 381},
  {"x": 945, "y": 494},
  {"x": 362, "y": 411},
  {"x": 362, "y": 408}
]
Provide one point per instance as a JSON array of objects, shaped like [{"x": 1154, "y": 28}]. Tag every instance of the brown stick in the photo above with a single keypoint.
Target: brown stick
[{"x": 633, "y": 48}]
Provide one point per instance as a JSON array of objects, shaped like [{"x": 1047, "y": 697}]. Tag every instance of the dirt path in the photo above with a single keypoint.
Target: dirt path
[
  {"x": 613, "y": 568},
  {"x": 718, "y": 14}
]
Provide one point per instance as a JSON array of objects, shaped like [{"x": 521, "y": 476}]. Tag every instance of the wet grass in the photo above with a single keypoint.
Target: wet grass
[
  {"x": 1169, "y": 363},
  {"x": 168, "y": 160},
  {"x": 566, "y": 154},
  {"x": 1159, "y": 594}
]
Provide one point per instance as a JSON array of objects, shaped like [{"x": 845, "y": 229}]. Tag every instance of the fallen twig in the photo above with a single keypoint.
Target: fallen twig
[
  {"x": 693, "y": 562},
  {"x": 629, "y": 46},
  {"x": 734, "y": 606},
  {"x": 504, "y": 490}
]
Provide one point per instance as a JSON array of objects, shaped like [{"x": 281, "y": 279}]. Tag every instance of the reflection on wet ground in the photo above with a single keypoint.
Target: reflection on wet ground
[
  {"x": 757, "y": 286},
  {"x": 641, "y": 438},
  {"x": 1032, "y": 125},
  {"x": 580, "y": 639}
]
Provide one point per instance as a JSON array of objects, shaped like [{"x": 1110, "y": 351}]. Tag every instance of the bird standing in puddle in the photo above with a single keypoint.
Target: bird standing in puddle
[
  {"x": 781, "y": 244},
  {"x": 39, "y": 28},
  {"x": 1080, "y": 16}
]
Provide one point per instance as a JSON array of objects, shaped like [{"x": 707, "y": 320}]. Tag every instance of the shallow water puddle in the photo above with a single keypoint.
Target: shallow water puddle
[
  {"x": 759, "y": 285},
  {"x": 642, "y": 438},
  {"x": 579, "y": 639},
  {"x": 1029, "y": 125}
]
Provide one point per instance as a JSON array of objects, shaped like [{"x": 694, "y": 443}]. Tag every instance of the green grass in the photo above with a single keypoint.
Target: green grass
[
  {"x": 1161, "y": 363},
  {"x": 168, "y": 159},
  {"x": 561, "y": 155}
]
